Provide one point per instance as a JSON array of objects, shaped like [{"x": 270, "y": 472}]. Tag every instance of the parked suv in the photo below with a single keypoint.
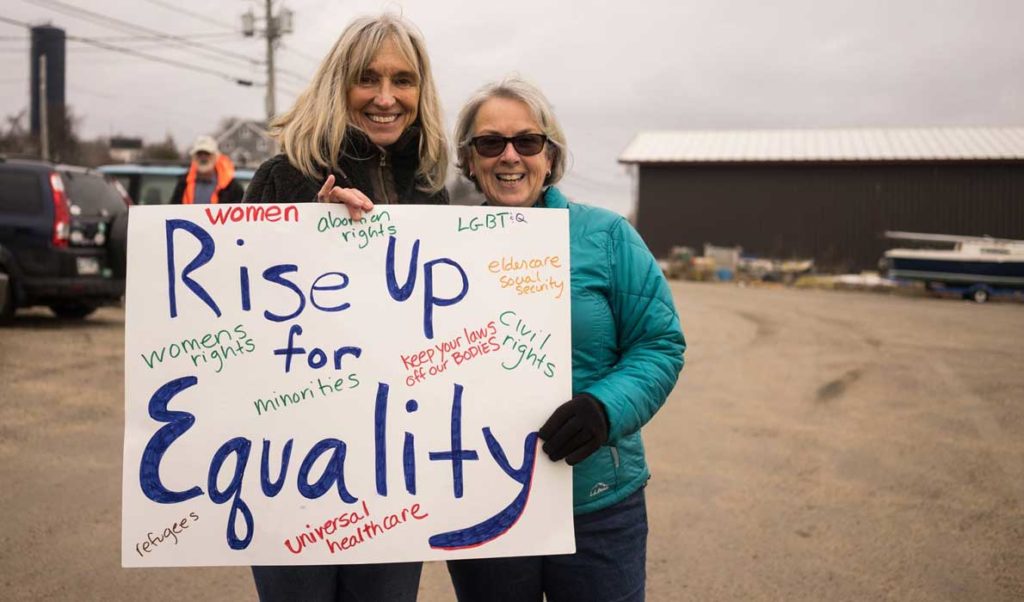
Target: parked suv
[{"x": 62, "y": 238}]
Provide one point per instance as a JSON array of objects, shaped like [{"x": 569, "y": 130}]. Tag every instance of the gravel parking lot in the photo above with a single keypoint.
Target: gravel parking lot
[{"x": 820, "y": 446}]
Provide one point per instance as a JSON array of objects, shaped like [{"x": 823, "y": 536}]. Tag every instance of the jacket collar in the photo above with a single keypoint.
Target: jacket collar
[
  {"x": 359, "y": 157},
  {"x": 553, "y": 199},
  {"x": 224, "y": 172},
  {"x": 357, "y": 145}
]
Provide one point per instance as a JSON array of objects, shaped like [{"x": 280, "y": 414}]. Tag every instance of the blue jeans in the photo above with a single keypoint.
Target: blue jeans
[
  {"x": 338, "y": 583},
  {"x": 608, "y": 566}
]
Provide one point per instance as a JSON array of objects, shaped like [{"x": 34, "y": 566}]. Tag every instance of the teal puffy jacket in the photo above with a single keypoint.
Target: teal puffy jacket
[{"x": 627, "y": 346}]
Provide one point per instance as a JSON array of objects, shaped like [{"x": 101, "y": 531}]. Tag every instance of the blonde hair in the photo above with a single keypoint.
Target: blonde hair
[
  {"x": 311, "y": 132},
  {"x": 512, "y": 88}
]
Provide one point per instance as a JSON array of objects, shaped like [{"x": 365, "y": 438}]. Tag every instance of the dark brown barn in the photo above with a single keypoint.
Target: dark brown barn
[{"x": 825, "y": 194}]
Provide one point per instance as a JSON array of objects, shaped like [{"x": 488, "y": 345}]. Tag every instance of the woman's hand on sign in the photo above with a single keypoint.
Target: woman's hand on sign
[
  {"x": 353, "y": 198},
  {"x": 578, "y": 428}
]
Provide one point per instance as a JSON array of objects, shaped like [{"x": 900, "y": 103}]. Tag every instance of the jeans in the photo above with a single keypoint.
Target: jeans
[
  {"x": 397, "y": 582},
  {"x": 608, "y": 566}
]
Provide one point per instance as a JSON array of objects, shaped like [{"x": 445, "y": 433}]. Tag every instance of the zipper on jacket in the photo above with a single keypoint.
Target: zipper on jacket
[
  {"x": 383, "y": 182},
  {"x": 615, "y": 455}
]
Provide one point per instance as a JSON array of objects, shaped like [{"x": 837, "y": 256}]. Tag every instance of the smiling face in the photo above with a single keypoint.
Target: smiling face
[
  {"x": 510, "y": 179},
  {"x": 385, "y": 100}
]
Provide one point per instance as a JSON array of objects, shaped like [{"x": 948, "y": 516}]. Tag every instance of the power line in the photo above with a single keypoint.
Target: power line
[
  {"x": 291, "y": 91},
  {"x": 296, "y": 76},
  {"x": 191, "y": 36},
  {"x": 301, "y": 54},
  {"x": 158, "y": 59},
  {"x": 183, "y": 11},
  {"x": 144, "y": 55},
  {"x": 213, "y": 37},
  {"x": 136, "y": 43},
  {"x": 122, "y": 25},
  {"x": 151, "y": 45},
  {"x": 15, "y": 22}
]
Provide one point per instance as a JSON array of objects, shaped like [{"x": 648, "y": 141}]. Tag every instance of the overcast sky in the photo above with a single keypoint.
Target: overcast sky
[{"x": 611, "y": 68}]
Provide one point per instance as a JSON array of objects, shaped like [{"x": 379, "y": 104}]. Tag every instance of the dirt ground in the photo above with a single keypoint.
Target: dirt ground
[{"x": 820, "y": 446}]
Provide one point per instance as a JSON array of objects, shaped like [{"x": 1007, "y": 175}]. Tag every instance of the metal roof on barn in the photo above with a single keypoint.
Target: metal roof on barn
[{"x": 862, "y": 144}]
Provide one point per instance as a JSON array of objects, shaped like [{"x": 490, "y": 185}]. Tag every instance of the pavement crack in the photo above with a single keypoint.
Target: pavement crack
[
  {"x": 764, "y": 327},
  {"x": 835, "y": 389}
]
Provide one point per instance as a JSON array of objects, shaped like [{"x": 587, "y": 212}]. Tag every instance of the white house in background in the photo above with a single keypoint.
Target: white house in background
[{"x": 247, "y": 143}]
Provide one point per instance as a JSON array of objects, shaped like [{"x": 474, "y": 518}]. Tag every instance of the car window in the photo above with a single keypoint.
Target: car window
[
  {"x": 20, "y": 192},
  {"x": 92, "y": 193},
  {"x": 156, "y": 189},
  {"x": 244, "y": 176}
]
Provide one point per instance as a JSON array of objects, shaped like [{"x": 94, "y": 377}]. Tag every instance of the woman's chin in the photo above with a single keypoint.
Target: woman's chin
[
  {"x": 382, "y": 135},
  {"x": 510, "y": 198}
]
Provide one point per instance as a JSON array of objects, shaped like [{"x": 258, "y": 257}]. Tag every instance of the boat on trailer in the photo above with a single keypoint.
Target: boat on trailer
[{"x": 977, "y": 267}]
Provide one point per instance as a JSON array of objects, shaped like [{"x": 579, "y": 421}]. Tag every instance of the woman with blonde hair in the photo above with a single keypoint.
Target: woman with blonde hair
[{"x": 368, "y": 128}]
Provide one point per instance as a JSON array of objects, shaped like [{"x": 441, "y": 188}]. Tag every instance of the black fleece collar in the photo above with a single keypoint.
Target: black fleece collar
[
  {"x": 358, "y": 147},
  {"x": 360, "y": 156}
]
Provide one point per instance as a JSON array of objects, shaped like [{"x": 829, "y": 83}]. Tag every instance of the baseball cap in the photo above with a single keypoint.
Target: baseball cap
[{"x": 204, "y": 143}]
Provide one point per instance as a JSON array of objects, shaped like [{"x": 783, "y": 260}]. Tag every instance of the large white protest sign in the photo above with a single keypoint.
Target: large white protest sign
[{"x": 301, "y": 389}]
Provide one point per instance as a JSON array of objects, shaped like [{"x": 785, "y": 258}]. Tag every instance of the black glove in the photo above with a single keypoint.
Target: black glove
[{"x": 576, "y": 429}]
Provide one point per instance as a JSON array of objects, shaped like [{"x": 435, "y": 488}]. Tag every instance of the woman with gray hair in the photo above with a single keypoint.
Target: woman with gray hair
[
  {"x": 627, "y": 351},
  {"x": 367, "y": 129}
]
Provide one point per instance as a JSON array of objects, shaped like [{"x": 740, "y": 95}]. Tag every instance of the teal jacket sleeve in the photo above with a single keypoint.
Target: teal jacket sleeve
[{"x": 649, "y": 338}]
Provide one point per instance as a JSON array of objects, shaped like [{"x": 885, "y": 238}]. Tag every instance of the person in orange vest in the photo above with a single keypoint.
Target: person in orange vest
[{"x": 210, "y": 177}]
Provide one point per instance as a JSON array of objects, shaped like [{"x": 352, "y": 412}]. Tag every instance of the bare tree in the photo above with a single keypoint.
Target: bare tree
[{"x": 162, "y": 151}]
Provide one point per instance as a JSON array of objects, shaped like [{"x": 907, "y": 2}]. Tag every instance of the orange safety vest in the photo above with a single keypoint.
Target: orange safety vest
[{"x": 225, "y": 170}]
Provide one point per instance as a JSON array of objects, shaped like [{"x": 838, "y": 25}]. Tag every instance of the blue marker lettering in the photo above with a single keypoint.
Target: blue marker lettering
[
  {"x": 456, "y": 454},
  {"x": 178, "y": 423},
  {"x": 240, "y": 447},
  {"x": 206, "y": 250}
]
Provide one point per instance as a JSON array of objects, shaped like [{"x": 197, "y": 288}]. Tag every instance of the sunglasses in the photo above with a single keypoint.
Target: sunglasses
[{"x": 492, "y": 145}]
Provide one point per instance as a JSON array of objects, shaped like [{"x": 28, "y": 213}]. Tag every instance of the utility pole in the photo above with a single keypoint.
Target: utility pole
[
  {"x": 44, "y": 122},
  {"x": 271, "y": 37},
  {"x": 276, "y": 26}
]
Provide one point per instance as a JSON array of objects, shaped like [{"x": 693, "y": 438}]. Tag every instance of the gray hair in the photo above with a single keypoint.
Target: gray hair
[{"x": 512, "y": 88}]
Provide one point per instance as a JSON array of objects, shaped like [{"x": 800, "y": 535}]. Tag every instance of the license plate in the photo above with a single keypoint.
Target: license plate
[{"x": 88, "y": 266}]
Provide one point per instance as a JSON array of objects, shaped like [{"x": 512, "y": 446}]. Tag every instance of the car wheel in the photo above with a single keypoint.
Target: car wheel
[
  {"x": 980, "y": 295},
  {"x": 6, "y": 298},
  {"x": 118, "y": 244},
  {"x": 73, "y": 311}
]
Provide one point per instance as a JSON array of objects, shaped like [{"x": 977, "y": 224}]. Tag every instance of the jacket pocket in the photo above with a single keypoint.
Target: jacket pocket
[
  {"x": 616, "y": 465},
  {"x": 598, "y": 474}
]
